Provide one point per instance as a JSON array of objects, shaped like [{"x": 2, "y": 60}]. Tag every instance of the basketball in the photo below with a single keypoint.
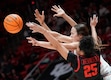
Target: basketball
[{"x": 13, "y": 23}]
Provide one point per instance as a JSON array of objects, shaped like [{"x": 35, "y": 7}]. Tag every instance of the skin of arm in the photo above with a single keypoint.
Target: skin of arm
[
  {"x": 59, "y": 47},
  {"x": 34, "y": 42},
  {"x": 93, "y": 23},
  {"x": 43, "y": 44},
  {"x": 61, "y": 13},
  {"x": 61, "y": 37}
]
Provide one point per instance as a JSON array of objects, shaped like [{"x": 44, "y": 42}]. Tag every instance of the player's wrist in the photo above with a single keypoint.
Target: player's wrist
[
  {"x": 93, "y": 27},
  {"x": 63, "y": 15},
  {"x": 43, "y": 31},
  {"x": 43, "y": 23}
]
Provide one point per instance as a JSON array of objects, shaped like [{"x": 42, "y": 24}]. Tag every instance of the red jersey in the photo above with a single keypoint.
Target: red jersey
[{"x": 85, "y": 68}]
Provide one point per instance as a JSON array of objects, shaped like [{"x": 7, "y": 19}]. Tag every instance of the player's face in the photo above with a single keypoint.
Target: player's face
[{"x": 74, "y": 35}]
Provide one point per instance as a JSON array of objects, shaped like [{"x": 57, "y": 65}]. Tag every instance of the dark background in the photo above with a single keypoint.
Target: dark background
[{"x": 18, "y": 58}]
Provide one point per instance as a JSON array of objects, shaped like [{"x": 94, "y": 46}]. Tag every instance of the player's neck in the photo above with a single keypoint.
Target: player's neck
[{"x": 81, "y": 53}]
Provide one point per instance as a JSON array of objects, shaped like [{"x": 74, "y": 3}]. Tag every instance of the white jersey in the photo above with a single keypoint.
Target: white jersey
[{"x": 105, "y": 68}]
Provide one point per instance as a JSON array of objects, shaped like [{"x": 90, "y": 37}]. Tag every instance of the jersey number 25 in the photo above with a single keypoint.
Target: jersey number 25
[{"x": 90, "y": 70}]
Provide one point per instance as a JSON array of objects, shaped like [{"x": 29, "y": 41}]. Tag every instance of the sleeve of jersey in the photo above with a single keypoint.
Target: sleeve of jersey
[{"x": 72, "y": 58}]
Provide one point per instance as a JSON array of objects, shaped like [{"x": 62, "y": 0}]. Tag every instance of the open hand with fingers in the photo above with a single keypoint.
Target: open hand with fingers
[
  {"x": 59, "y": 11},
  {"x": 39, "y": 17},
  {"x": 93, "y": 21},
  {"x": 33, "y": 41},
  {"x": 35, "y": 27}
]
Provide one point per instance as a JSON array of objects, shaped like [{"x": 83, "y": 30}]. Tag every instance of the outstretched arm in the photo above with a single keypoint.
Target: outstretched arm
[
  {"x": 44, "y": 44},
  {"x": 59, "y": 47},
  {"x": 93, "y": 23},
  {"x": 97, "y": 40},
  {"x": 61, "y": 13},
  {"x": 61, "y": 37}
]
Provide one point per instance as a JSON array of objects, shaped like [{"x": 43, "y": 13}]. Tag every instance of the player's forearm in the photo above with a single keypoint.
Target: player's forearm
[
  {"x": 69, "y": 20},
  {"x": 65, "y": 39},
  {"x": 94, "y": 34},
  {"x": 50, "y": 38},
  {"x": 45, "y": 26},
  {"x": 62, "y": 50},
  {"x": 49, "y": 46},
  {"x": 45, "y": 45},
  {"x": 61, "y": 37}
]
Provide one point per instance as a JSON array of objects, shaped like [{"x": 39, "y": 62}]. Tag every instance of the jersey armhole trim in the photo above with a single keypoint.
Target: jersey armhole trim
[{"x": 78, "y": 65}]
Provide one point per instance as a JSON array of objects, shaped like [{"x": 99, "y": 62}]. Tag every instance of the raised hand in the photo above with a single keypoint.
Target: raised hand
[
  {"x": 33, "y": 41},
  {"x": 59, "y": 11},
  {"x": 35, "y": 27},
  {"x": 93, "y": 21},
  {"x": 40, "y": 18}
]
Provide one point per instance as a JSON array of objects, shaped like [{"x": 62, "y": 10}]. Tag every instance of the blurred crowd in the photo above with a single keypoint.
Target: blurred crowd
[{"x": 17, "y": 56}]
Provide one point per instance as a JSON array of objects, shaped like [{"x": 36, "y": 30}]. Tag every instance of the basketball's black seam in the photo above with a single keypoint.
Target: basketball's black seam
[
  {"x": 20, "y": 22},
  {"x": 10, "y": 25},
  {"x": 14, "y": 20}
]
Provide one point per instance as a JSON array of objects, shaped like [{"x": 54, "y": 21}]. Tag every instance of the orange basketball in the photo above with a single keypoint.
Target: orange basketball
[{"x": 13, "y": 23}]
